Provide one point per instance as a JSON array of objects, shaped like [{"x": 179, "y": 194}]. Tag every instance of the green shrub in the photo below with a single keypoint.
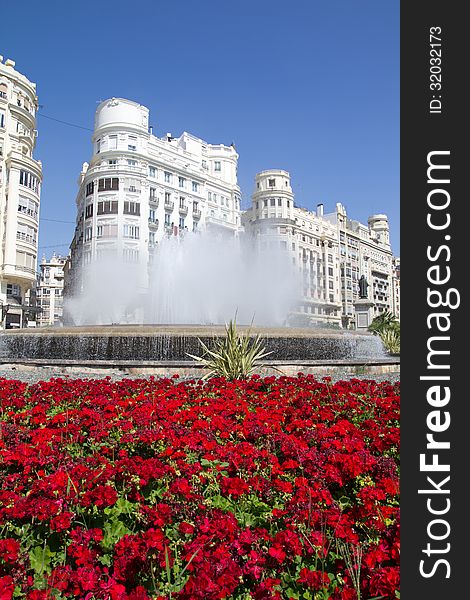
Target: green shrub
[
  {"x": 234, "y": 357},
  {"x": 391, "y": 339},
  {"x": 385, "y": 320}
]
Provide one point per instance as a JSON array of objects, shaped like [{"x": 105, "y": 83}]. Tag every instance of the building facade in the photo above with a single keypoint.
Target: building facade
[
  {"x": 139, "y": 188},
  {"x": 275, "y": 222},
  {"x": 49, "y": 291},
  {"x": 396, "y": 286},
  {"x": 364, "y": 250},
  {"x": 329, "y": 251},
  {"x": 20, "y": 183}
]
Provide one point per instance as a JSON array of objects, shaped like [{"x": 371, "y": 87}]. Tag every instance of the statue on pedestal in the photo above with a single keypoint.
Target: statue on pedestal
[{"x": 363, "y": 285}]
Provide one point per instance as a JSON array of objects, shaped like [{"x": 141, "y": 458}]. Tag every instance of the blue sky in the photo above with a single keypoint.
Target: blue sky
[{"x": 310, "y": 86}]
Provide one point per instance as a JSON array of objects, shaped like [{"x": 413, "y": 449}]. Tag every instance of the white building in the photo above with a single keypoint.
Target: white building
[
  {"x": 49, "y": 291},
  {"x": 274, "y": 221},
  {"x": 330, "y": 252},
  {"x": 364, "y": 250},
  {"x": 138, "y": 188},
  {"x": 20, "y": 181}
]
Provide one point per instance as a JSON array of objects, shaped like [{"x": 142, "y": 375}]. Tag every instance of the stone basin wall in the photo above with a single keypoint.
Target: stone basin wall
[{"x": 173, "y": 344}]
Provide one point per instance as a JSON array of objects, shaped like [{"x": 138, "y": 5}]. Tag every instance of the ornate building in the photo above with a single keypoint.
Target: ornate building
[
  {"x": 329, "y": 251},
  {"x": 274, "y": 221},
  {"x": 20, "y": 182},
  {"x": 138, "y": 188}
]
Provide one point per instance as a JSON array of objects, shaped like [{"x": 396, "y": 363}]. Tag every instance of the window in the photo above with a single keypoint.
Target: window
[
  {"x": 131, "y": 231},
  {"x": 26, "y": 233},
  {"x": 29, "y": 180},
  {"x": 209, "y": 196},
  {"x": 265, "y": 202},
  {"x": 152, "y": 172},
  {"x": 167, "y": 177},
  {"x": 152, "y": 215},
  {"x": 204, "y": 164},
  {"x": 107, "y": 207},
  {"x": 2, "y": 118},
  {"x": 13, "y": 289},
  {"x": 108, "y": 183},
  {"x": 152, "y": 195},
  {"x": 167, "y": 197},
  {"x": 181, "y": 182},
  {"x": 217, "y": 165},
  {"x": 167, "y": 220},
  {"x": 98, "y": 146},
  {"x": 273, "y": 201},
  {"x": 89, "y": 211},
  {"x": 131, "y": 208},
  {"x": 132, "y": 143},
  {"x": 131, "y": 163},
  {"x": 195, "y": 186},
  {"x": 182, "y": 202},
  {"x": 151, "y": 238},
  {"x": 279, "y": 201},
  {"x": 330, "y": 271},
  {"x": 271, "y": 182},
  {"x": 112, "y": 144},
  {"x": 181, "y": 222},
  {"x": 106, "y": 231},
  {"x": 28, "y": 207},
  {"x": 112, "y": 163},
  {"x": 288, "y": 204},
  {"x": 257, "y": 205},
  {"x": 88, "y": 234}
]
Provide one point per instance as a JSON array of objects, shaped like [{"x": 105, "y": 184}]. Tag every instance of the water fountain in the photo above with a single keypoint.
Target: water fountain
[{"x": 195, "y": 287}]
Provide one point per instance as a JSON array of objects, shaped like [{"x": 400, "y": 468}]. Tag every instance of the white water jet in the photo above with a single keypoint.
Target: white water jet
[
  {"x": 195, "y": 279},
  {"x": 205, "y": 280}
]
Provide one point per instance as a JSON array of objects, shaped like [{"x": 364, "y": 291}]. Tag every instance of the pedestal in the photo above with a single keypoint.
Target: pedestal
[{"x": 363, "y": 310}]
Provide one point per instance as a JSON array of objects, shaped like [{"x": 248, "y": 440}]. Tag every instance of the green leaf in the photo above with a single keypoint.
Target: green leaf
[{"x": 40, "y": 559}]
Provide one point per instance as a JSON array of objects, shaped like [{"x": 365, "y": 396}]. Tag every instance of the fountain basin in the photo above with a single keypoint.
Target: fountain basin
[{"x": 164, "y": 343}]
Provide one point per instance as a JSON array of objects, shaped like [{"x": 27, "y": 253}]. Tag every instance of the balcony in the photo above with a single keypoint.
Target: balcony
[
  {"x": 169, "y": 205},
  {"x": 154, "y": 201},
  {"x": 183, "y": 209},
  {"x": 196, "y": 214},
  {"x": 25, "y": 237},
  {"x": 24, "y": 210},
  {"x": 153, "y": 223}
]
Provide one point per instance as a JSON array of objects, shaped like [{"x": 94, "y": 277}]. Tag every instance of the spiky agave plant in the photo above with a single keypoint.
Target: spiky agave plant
[
  {"x": 391, "y": 339},
  {"x": 234, "y": 356}
]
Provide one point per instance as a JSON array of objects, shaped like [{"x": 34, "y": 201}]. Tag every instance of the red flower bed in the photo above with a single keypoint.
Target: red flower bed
[{"x": 266, "y": 488}]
